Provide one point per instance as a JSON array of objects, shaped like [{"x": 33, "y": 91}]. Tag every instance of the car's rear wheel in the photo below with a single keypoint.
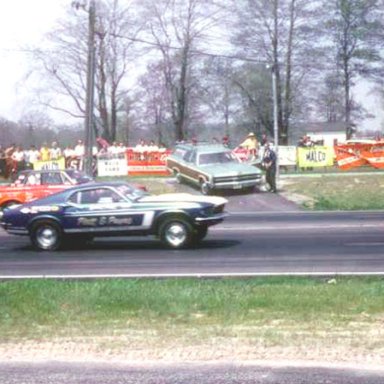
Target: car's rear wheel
[
  {"x": 46, "y": 236},
  {"x": 178, "y": 177},
  {"x": 176, "y": 233}
]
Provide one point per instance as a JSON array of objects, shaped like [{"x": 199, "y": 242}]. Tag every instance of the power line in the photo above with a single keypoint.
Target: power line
[{"x": 193, "y": 51}]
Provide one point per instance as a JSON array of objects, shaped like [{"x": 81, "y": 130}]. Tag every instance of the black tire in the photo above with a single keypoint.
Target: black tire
[
  {"x": 46, "y": 235},
  {"x": 176, "y": 233}
]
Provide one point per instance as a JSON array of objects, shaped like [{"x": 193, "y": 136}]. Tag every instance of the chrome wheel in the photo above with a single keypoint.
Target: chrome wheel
[
  {"x": 46, "y": 236},
  {"x": 178, "y": 178},
  {"x": 176, "y": 233},
  {"x": 205, "y": 188}
]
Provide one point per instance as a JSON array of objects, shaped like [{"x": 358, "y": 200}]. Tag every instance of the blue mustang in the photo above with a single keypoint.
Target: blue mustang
[{"x": 113, "y": 209}]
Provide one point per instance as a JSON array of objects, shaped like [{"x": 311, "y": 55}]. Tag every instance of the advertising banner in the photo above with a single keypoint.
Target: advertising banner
[
  {"x": 142, "y": 163},
  {"x": 112, "y": 165},
  {"x": 356, "y": 154},
  {"x": 287, "y": 155},
  {"x": 49, "y": 164},
  {"x": 317, "y": 156}
]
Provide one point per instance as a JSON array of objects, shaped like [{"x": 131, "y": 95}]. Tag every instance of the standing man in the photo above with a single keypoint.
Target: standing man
[{"x": 269, "y": 162}]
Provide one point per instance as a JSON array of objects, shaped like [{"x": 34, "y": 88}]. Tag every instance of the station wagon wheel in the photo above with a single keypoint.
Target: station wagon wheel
[
  {"x": 178, "y": 177},
  {"x": 205, "y": 188},
  {"x": 176, "y": 233},
  {"x": 46, "y": 236}
]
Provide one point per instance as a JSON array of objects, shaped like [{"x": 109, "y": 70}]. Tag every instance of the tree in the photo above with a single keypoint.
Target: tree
[
  {"x": 276, "y": 33},
  {"x": 177, "y": 28},
  {"x": 63, "y": 67},
  {"x": 355, "y": 27}
]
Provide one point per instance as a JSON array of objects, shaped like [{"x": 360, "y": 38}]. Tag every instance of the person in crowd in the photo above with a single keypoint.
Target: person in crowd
[
  {"x": 113, "y": 149},
  {"x": 79, "y": 149},
  {"x": 18, "y": 159},
  {"x": 269, "y": 163},
  {"x": 263, "y": 140},
  {"x": 68, "y": 152},
  {"x": 2, "y": 161},
  {"x": 142, "y": 149},
  {"x": 55, "y": 151},
  {"x": 152, "y": 147},
  {"x": 251, "y": 144},
  {"x": 32, "y": 155},
  {"x": 225, "y": 141},
  {"x": 121, "y": 148},
  {"x": 44, "y": 152},
  {"x": 8, "y": 159}
]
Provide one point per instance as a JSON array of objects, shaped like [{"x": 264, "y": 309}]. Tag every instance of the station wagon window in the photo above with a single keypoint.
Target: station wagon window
[
  {"x": 188, "y": 156},
  {"x": 193, "y": 157},
  {"x": 215, "y": 158},
  {"x": 179, "y": 152}
]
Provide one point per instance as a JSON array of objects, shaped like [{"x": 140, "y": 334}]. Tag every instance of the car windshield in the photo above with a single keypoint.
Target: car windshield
[
  {"x": 78, "y": 176},
  {"x": 131, "y": 192},
  {"x": 215, "y": 158}
]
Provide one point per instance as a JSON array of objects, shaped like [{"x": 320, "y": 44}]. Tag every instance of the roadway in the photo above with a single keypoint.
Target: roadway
[{"x": 247, "y": 243}]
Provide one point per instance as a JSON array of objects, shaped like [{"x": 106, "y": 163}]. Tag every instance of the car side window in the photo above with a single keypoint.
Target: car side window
[
  {"x": 96, "y": 196},
  {"x": 188, "y": 156},
  {"x": 193, "y": 157}
]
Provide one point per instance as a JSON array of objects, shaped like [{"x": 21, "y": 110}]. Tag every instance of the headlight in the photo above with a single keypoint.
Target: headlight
[{"x": 1, "y": 214}]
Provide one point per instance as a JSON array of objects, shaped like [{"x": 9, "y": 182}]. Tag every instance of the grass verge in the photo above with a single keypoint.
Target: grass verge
[
  {"x": 263, "y": 313},
  {"x": 341, "y": 192}
]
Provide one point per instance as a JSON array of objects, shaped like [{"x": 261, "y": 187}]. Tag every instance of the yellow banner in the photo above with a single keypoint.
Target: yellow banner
[
  {"x": 315, "y": 157},
  {"x": 50, "y": 164}
]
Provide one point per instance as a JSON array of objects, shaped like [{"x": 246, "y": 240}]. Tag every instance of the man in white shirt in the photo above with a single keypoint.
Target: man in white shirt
[{"x": 55, "y": 151}]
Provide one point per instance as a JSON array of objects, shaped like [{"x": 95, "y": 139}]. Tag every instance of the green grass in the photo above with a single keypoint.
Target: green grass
[
  {"x": 48, "y": 308},
  {"x": 341, "y": 192}
]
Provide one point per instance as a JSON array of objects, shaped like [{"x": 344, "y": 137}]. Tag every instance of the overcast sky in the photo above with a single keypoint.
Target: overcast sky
[{"x": 23, "y": 23}]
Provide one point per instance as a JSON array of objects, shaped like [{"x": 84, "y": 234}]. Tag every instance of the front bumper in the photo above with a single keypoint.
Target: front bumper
[
  {"x": 211, "y": 220},
  {"x": 236, "y": 184}
]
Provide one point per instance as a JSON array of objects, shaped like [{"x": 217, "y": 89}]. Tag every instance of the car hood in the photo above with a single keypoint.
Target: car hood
[
  {"x": 230, "y": 169},
  {"x": 183, "y": 197}
]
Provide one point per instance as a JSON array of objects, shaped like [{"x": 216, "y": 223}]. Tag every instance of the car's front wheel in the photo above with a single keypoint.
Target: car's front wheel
[
  {"x": 46, "y": 236},
  {"x": 176, "y": 233},
  {"x": 205, "y": 188}
]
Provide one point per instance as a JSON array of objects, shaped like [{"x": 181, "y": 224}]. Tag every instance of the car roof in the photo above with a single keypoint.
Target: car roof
[
  {"x": 204, "y": 148},
  {"x": 61, "y": 196}
]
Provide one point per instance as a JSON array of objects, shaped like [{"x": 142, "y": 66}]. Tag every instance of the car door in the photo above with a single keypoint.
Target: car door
[{"x": 103, "y": 211}]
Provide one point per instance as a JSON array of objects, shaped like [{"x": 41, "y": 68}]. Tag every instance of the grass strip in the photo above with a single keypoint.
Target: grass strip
[
  {"x": 49, "y": 308},
  {"x": 350, "y": 192}
]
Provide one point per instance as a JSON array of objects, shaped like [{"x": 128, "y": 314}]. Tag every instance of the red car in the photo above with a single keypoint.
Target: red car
[{"x": 31, "y": 185}]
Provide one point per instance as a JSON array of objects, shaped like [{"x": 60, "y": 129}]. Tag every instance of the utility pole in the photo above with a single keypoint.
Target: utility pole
[
  {"x": 275, "y": 121},
  {"x": 89, "y": 120}
]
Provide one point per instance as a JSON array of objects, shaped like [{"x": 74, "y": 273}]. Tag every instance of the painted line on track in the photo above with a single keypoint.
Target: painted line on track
[{"x": 196, "y": 275}]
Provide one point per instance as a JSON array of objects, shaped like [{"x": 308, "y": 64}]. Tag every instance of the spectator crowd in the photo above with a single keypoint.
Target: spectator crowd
[{"x": 15, "y": 158}]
